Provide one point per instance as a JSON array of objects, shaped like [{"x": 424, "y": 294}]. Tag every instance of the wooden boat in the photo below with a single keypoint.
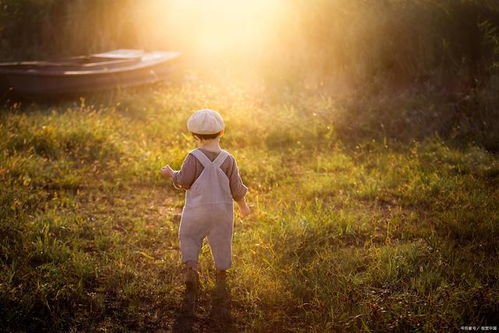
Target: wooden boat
[{"x": 77, "y": 75}]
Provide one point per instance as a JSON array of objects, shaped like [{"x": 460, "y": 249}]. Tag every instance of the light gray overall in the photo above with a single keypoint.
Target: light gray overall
[{"x": 208, "y": 212}]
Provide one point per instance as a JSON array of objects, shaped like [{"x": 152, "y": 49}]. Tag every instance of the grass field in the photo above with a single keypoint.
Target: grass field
[{"x": 348, "y": 233}]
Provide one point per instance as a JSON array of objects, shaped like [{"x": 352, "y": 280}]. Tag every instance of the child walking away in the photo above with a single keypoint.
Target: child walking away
[{"x": 211, "y": 179}]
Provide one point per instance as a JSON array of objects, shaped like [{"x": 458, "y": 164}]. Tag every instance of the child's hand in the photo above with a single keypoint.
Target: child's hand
[
  {"x": 244, "y": 210},
  {"x": 167, "y": 171}
]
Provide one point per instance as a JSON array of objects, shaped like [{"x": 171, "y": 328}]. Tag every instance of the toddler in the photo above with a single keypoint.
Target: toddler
[{"x": 211, "y": 179}]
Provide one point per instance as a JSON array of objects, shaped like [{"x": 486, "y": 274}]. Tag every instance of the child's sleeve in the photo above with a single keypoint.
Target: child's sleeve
[
  {"x": 186, "y": 175},
  {"x": 237, "y": 187}
]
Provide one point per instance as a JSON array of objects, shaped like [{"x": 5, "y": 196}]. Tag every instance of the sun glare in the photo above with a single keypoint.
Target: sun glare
[{"x": 212, "y": 27}]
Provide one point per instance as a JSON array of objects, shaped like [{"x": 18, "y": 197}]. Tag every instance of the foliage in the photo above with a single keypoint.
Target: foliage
[{"x": 337, "y": 43}]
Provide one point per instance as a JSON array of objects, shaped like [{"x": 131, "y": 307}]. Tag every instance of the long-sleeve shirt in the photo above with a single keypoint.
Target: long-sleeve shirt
[{"x": 192, "y": 168}]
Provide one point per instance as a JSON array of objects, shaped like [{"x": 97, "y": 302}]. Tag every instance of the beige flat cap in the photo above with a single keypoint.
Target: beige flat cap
[{"x": 205, "y": 121}]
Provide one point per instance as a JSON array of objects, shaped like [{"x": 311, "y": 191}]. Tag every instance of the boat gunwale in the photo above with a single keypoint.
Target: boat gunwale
[
  {"x": 62, "y": 64},
  {"x": 167, "y": 56}
]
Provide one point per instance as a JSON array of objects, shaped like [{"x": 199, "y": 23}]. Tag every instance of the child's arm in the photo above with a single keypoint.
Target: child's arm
[
  {"x": 183, "y": 178},
  {"x": 243, "y": 207},
  {"x": 167, "y": 171},
  {"x": 238, "y": 189}
]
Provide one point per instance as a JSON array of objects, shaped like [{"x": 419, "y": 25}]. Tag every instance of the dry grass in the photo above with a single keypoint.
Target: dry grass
[{"x": 348, "y": 233}]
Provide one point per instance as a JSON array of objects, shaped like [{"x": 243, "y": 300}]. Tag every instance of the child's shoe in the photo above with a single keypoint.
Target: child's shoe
[
  {"x": 221, "y": 276},
  {"x": 191, "y": 278},
  {"x": 221, "y": 283}
]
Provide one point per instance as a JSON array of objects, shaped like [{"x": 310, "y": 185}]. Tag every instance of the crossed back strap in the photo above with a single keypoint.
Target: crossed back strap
[{"x": 205, "y": 161}]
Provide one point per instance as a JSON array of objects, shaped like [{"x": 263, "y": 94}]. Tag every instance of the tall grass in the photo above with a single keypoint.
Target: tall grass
[
  {"x": 320, "y": 39},
  {"x": 409, "y": 69},
  {"x": 407, "y": 40}
]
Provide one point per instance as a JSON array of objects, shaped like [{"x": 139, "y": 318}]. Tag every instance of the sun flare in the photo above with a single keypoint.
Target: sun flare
[{"x": 212, "y": 27}]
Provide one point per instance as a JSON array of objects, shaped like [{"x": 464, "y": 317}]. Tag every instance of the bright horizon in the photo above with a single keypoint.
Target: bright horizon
[{"x": 212, "y": 26}]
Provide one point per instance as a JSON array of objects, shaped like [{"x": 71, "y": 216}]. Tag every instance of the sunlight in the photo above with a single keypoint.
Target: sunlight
[
  {"x": 212, "y": 27},
  {"x": 354, "y": 187}
]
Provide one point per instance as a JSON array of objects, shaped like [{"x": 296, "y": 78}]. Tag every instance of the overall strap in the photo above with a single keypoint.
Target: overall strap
[
  {"x": 201, "y": 157},
  {"x": 220, "y": 158}
]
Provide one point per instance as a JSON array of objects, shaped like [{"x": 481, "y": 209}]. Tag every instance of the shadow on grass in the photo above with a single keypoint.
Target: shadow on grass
[
  {"x": 220, "y": 317},
  {"x": 185, "y": 317},
  {"x": 221, "y": 302}
]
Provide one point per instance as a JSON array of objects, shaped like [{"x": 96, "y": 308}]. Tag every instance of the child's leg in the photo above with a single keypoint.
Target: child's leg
[
  {"x": 191, "y": 264},
  {"x": 191, "y": 233},
  {"x": 191, "y": 275},
  {"x": 191, "y": 238},
  {"x": 220, "y": 241},
  {"x": 189, "y": 249},
  {"x": 221, "y": 276},
  {"x": 221, "y": 249}
]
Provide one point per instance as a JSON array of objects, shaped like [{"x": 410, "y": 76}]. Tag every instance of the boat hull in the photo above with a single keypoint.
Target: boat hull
[{"x": 42, "y": 82}]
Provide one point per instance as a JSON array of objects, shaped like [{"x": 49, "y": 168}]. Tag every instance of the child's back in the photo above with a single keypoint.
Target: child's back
[
  {"x": 212, "y": 185},
  {"x": 193, "y": 167}
]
